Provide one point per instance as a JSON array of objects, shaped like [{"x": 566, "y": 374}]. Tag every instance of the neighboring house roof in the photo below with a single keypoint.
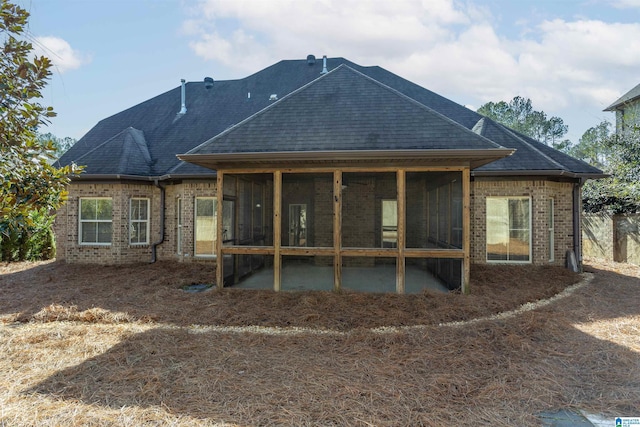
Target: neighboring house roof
[
  {"x": 628, "y": 97},
  {"x": 217, "y": 111}
]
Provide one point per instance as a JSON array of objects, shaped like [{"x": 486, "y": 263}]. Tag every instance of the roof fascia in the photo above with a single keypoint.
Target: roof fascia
[
  {"x": 211, "y": 160},
  {"x": 551, "y": 172},
  {"x": 122, "y": 177}
]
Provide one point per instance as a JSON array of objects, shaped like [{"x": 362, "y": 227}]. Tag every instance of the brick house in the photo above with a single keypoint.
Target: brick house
[
  {"x": 324, "y": 163},
  {"x": 626, "y": 109}
]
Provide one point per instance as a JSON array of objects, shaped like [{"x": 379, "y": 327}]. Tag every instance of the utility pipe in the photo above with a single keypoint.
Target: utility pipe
[{"x": 155, "y": 245}]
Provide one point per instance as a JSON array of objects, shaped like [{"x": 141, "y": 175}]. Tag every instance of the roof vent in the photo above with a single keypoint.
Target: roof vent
[
  {"x": 273, "y": 97},
  {"x": 324, "y": 65},
  {"x": 183, "y": 106},
  {"x": 208, "y": 82},
  {"x": 311, "y": 59}
]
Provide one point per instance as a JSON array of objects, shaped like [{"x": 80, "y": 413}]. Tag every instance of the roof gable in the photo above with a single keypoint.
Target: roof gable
[{"x": 345, "y": 110}]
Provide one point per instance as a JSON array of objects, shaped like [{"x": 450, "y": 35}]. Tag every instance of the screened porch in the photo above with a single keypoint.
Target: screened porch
[{"x": 381, "y": 230}]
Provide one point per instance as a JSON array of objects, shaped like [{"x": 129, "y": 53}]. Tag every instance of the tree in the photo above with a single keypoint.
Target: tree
[
  {"x": 29, "y": 184},
  {"x": 520, "y": 116},
  {"x": 60, "y": 144},
  {"x": 593, "y": 146},
  {"x": 620, "y": 156}
]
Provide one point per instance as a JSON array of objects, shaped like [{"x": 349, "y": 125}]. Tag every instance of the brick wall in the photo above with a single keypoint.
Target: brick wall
[
  {"x": 119, "y": 251},
  {"x": 361, "y": 215},
  {"x": 539, "y": 192}
]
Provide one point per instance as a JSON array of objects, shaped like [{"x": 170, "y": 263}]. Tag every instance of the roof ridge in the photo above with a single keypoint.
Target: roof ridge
[
  {"x": 134, "y": 139},
  {"x": 479, "y": 126}
]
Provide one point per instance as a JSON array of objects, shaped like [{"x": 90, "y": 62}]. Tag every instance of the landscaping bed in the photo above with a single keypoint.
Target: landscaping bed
[{"x": 126, "y": 345}]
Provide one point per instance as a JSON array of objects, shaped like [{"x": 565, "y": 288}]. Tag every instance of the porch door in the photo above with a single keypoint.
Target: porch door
[{"x": 297, "y": 224}]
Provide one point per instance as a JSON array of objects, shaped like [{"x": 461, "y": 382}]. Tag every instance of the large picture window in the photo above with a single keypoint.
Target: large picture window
[
  {"x": 205, "y": 229},
  {"x": 139, "y": 222},
  {"x": 509, "y": 229},
  {"x": 95, "y": 221}
]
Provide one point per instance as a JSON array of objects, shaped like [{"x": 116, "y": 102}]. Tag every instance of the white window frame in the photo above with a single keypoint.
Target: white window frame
[
  {"x": 551, "y": 225},
  {"x": 145, "y": 221},
  {"x": 82, "y": 221},
  {"x": 530, "y": 225},
  {"x": 195, "y": 225},
  {"x": 179, "y": 225}
]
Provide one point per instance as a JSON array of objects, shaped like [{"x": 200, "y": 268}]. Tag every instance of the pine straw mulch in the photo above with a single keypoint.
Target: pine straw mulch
[
  {"x": 130, "y": 356},
  {"x": 54, "y": 291}
]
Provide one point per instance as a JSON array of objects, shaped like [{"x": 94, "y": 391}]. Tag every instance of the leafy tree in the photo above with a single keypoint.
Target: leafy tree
[
  {"x": 520, "y": 116},
  {"x": 593, "y": 146},
  {"x": 624, "y": 154},
  {"x": 28, "y": 182},
  {"x": 61, "y": 144},
  {"x": 620, "y": 154}
]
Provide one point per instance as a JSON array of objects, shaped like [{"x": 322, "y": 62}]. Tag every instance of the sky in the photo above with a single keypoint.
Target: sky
[{"x": 572, "y": 58}]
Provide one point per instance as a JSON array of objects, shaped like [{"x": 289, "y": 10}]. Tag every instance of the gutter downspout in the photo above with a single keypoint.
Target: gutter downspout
[
  {"x": 577, "y": 226},
  {"x": 155, "y": 245}
]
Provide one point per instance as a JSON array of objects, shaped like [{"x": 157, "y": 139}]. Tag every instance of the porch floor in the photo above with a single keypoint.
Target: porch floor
[{"x": 381, "y": 278}]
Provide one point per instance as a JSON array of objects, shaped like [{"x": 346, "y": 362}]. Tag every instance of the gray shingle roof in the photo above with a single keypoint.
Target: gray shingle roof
[
  {"x": 345, "y": 110},
  {"x": 632, "y": 95},
  {"x": 211, "y": 112},
  {"x": 126, "y": 153}
]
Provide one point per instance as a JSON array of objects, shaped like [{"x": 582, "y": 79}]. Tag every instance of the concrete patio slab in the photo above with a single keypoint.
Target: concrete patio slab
[{"x": 381, "y": 278}]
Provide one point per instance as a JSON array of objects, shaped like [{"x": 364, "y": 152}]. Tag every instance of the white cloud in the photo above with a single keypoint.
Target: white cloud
[
  {"x": 625, "y": 4},
  {"x": 258, "y": 31},
  {"x": 448, "y": 46},
  {"x": 61, "y": 54}
]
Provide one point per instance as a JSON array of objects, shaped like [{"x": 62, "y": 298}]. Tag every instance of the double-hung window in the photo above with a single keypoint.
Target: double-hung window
[
  {"x": 509, "y": 229},
  {"x": 139, "y": 222},
  {"x": 95, "y": 223}
]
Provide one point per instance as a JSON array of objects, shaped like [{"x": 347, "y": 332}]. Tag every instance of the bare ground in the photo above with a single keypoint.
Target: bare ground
[{"x": 104, "y": 345}]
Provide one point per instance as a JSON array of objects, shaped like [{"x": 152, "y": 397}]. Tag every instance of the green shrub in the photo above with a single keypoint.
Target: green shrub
[{"x": 34, "y": 241}]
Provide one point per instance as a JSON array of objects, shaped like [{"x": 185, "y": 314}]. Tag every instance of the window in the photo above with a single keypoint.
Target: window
[
  {"x": 297, "y": 225},
  {"x": 509, "y": 229},
  {"x": 205, "y": 229},
  {"x": 389, "y": 223},
  {"x": 139, "y": 222},
  {"x": 551, "y": 232},
  {"x": 95, "y": 221},
  {"x": 179, "y": 225}
]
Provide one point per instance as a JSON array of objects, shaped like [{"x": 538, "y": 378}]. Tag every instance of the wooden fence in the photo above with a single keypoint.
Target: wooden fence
[{"x": 612, "y": 237}]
